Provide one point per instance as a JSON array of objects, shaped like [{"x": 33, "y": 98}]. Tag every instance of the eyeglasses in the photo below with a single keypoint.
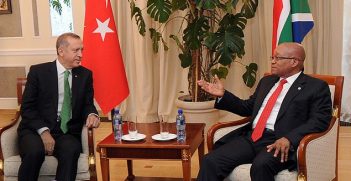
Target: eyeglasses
[{"x": 278, "y": 58}]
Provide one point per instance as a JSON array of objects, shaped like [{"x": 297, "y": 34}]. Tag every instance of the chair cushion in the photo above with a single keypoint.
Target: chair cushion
[
  {"x": 12, "y": 164},
  {"x": 242, "y": 173}
]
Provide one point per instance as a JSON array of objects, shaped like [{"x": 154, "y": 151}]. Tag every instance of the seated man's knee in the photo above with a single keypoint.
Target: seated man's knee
[
  {"x": 264, "y": 164},
  {"x": 74, "y": 150},
  {"x": 209, "y": 160},
  {"x": 35, "y": 155},
  {"x": 258, "y": 165},
  {"x": 263, "y": 161}
]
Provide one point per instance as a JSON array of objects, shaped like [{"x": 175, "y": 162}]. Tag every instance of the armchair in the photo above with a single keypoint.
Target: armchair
[
  {"x": 10, "y": 159},
  {"x": 317, "y": 152}
]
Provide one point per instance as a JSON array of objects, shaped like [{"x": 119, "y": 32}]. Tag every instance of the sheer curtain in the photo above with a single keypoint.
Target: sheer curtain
[
  {"x": 346, "y": 64},
  {"x": 156, "y": 79}
]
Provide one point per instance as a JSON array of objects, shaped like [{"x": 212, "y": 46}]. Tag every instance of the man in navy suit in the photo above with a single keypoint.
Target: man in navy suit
[
  {"x": 41, "y": 130},
  {"x": 303, "y": 106}
]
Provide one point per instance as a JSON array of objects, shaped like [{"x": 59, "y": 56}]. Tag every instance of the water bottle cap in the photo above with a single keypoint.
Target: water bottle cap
[
  {"x": 116, "y": 111},
  {"x": 180, "y": 111}
]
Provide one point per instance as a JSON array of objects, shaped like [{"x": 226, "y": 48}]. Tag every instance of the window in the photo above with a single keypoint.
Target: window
[{"x": 61, "y": 16}]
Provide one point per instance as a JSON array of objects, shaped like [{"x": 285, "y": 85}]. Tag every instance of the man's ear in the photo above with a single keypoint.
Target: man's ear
[
  {"x": 295, "y": 63},
  {"x": 60, "y": 51}
]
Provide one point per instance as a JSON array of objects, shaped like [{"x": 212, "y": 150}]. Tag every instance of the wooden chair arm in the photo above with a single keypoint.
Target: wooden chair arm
[
  {"x": 302, "y": 165},
  {"x": 92, "y": 159},
  {"x": 211, "y": 132}
]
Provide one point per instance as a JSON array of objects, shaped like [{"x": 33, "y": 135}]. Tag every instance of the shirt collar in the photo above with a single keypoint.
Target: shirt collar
[
  {"x": 60, "y": 68},
  {"x": 292, "y": 78}
]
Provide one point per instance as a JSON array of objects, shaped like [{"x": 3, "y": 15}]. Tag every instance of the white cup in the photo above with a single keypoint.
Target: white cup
[
  {"x": 164, "y": 126},
  {"x": 132, "y": 127}
]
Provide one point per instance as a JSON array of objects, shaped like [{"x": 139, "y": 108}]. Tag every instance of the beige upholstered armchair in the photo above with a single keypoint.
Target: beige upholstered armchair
[
  {"x": 317, "y": 152},
  {"x": 10, "y": 159}
]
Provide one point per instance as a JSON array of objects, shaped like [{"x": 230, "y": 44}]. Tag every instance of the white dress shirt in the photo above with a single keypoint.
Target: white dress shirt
[
  {"x": 273, "y": 116},
  {"x": 60, "y": 77}
]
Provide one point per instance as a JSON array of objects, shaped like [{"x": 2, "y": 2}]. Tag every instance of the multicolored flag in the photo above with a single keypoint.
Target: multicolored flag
[
  {"x": 102, "y": 55},
  {"x": 292, "y": 20}
]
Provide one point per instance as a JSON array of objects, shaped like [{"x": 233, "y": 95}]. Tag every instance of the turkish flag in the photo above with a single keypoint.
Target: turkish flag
[{"x": 102, "y": 55}]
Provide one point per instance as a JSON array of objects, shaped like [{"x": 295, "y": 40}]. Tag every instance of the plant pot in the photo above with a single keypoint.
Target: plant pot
[{"x": 199, "y": 112}]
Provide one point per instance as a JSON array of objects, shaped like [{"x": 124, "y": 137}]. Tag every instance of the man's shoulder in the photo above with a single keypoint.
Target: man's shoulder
[
  {"x": 270, "y": 77},
  {"x": 82, "y": 69},
  {"x": 42, "y": 65},
  {"x": 310, "y": 79}
]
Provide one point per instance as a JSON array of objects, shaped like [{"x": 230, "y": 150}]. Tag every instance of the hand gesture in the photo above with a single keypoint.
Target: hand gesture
[
  {"x": 281, "y": 146},
  {"x": 48, "y": 141},
  {"x": 216, "y": 88},
  {"x": 92, "y": 121}
]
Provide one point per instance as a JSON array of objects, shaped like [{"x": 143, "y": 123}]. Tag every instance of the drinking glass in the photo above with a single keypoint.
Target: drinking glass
[
  {"x": 164, "y": 126},
  {"x": 132, "y": 127}
]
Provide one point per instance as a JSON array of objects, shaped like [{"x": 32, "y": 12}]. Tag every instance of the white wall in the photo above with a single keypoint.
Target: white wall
[{"x": 29, "y": 49}]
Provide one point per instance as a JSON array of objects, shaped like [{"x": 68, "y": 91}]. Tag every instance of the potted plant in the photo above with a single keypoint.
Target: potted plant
[{"x": 210, "y": 37}]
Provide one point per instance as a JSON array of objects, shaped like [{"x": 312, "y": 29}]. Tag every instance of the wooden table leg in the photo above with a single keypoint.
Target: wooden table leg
[
  {"x": 201, "y": 152},
  {"x": 186, "y": 163},
  {"x": 105, "y": 167},
  {"x": 130, "y": 170}
]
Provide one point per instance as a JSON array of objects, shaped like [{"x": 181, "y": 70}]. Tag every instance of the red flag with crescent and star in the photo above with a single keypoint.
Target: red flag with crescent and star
[{"x": 102, "y": 55}]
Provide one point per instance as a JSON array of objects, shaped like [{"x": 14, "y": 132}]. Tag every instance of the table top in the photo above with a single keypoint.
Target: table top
[{"x": 194, "y": 133}]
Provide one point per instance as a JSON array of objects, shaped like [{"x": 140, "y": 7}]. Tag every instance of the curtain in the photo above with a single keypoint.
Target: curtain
[
  {"x": 156, "y": 79},
  {"x": 346, "y": 65}
]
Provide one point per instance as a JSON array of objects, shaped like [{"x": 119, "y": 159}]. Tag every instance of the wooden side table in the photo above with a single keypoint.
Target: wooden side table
[{"x": 151, "y": 149}]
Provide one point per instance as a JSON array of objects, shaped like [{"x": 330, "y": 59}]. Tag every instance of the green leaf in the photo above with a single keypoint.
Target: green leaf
[
  {"x": 221, "y": 72},
  {"x": 249, "y": 8},
  {"x": 195, "y": 33},
  {"x": 67, "y": 2},
  {"x": 185, "y": 59},
  {"x": 179, "y": 5},
  {"x": 155, "y": 37},
  {"x": 135, "y": 11},
  {"x": 206, "y": 4},
  {"x": 249, "y": 77},
  {"x": 159, "y": 10},
  {"x": 56, "y": 5},
  {"x": 227, "y": 44},
  {"x": 210, "y": 41},
  {"x": 236, "y": 20}
]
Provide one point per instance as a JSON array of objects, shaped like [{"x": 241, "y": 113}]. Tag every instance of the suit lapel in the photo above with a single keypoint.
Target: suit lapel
[
  {"x": 294, "y": 90},
  {"x": 75, "y": 84},
  {"x": 53, "y": 83},
  {"x": 265, "y": 88}
]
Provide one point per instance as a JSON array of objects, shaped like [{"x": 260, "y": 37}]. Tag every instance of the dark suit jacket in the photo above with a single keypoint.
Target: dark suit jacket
[
  {"x": 305, "y": 109},
  {"x": 40, "y": 99}
]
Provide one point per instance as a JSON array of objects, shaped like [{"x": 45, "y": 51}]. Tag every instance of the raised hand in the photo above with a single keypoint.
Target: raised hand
[{"x": 216, "y": 88}]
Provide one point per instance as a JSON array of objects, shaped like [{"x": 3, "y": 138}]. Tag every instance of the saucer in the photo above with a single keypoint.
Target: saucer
[
  {"x": 159, "y": 138},
  {"x": 138, "y": 137}
]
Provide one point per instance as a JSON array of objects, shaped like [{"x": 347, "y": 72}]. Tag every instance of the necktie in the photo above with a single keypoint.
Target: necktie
[
  {"x": 66, "y": 105},
  {"x": 261, "y": 123}
]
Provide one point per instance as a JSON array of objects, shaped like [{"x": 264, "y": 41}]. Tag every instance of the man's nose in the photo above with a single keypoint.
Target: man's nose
[{"x": 79, "y": 53}]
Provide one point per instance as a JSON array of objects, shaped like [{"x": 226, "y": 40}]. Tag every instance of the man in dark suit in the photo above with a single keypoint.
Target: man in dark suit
[
  {"x": 301, "y": 106},
  {"x": 57, "y": 103}
]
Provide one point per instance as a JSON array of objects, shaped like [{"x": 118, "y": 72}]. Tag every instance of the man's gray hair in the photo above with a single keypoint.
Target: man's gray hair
[{"x": 62, "y": 40}]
